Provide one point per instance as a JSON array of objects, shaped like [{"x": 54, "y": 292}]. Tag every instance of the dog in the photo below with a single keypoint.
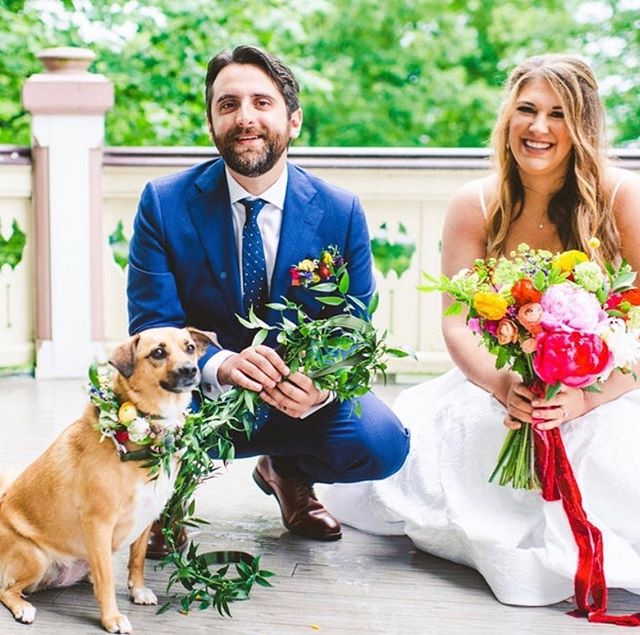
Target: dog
[{"x": 69, "y": 510}]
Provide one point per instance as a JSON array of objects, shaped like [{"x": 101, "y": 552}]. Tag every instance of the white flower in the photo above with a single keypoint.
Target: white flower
[
  {"x": 138, "y": 429},
  {"x": 623, "y": 344}
]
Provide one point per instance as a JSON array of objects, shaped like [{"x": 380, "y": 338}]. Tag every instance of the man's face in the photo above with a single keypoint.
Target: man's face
[{"x": 249, "y": 121}]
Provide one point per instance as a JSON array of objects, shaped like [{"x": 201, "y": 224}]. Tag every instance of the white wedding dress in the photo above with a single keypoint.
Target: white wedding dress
[{"x": 522, "y": 545}]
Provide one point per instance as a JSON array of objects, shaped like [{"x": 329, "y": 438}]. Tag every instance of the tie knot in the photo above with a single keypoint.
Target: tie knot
[{"x": 252, "y": 207}]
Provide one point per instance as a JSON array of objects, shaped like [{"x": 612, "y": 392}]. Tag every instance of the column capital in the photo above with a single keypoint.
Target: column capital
[{"x": 66, "y": 87}]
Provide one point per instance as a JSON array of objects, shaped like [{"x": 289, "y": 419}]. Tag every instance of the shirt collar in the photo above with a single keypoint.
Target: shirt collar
[{"x": 274, "y": 194}]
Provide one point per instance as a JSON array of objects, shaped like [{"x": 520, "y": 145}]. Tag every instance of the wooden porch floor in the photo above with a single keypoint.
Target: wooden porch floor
[{"x": 360, "y": 584}]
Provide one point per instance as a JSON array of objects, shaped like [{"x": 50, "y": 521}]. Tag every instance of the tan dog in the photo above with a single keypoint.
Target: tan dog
[{"x": 78, "y": 502}]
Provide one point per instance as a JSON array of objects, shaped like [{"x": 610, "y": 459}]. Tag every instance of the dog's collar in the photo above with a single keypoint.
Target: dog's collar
[{"x": 151, "y": 435}]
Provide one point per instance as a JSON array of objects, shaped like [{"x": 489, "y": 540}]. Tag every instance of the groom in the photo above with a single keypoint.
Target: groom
[{"x": 212, "y": 240}]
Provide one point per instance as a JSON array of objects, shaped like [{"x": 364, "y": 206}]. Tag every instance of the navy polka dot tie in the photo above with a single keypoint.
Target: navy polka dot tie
[{"x": 254, "y": 268}]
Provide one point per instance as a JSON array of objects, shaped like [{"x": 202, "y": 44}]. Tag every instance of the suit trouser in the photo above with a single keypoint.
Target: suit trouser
[{"x": 334, "y": 445}]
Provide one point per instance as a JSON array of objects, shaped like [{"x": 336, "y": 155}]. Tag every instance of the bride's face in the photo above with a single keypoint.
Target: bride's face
[{"x": 538, "y": 133}]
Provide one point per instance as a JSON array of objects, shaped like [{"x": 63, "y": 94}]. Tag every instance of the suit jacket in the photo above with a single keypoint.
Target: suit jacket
[{"x": 183, "y": 261}]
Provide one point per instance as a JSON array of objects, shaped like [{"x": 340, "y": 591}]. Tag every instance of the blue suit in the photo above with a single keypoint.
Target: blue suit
[{"x": 183, "y": 270}]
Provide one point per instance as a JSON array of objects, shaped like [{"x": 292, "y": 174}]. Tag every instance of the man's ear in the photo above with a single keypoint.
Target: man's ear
[
  {"x": 202, "y": 339},
  {"x": 295, "y": 123},
  {"x": 123, "y": 359}
]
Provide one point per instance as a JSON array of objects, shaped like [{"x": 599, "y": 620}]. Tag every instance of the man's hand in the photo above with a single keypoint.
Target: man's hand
[
  {"x": 294, "y": 395},
  {"x": 257, "y": 368}
]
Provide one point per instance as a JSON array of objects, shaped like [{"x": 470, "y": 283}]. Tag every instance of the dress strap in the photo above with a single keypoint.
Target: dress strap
[
  {"x": 483, "y": 204},
  {"x": 614, "y": 193}
]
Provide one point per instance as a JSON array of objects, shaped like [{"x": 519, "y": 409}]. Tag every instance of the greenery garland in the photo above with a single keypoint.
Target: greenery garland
[{"x": 341, "y": 353}]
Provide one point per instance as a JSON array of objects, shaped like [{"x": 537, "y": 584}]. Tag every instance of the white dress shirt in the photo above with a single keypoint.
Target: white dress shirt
[{"x": 270, "y": 223}]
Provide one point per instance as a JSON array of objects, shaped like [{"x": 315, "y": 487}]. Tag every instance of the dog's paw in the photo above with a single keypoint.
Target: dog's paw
[
  {"x": 117, "y": 624},
  {"x": 25, "y": 614},
  {"x": 142, "y": 595}
]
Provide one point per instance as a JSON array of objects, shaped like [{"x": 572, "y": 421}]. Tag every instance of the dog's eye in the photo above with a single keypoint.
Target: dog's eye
[
  {"x": 158, "y": 353},
  {"x": 191, "y": 349}
]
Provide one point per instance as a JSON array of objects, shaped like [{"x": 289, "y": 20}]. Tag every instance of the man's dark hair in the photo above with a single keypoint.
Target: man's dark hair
[{"x": 280, "y": 74}]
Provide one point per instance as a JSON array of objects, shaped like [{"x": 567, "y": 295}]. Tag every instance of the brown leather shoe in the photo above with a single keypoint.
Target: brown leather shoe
[
  {"x": 302, "y": 512},
  {"x": 157, "y": 547}
]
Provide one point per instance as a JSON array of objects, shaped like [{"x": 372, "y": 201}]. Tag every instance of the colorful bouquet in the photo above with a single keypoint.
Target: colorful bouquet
[{"x": 555, "y": 319}]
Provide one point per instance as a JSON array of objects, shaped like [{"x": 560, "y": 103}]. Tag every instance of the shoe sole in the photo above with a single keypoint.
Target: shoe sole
[{"x": 268, "y": 490}]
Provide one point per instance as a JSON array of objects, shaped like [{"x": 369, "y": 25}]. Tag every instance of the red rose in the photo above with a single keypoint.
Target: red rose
[
  {"x": 122, "y": 436},
  {"x": 571, "y": 358},
  {"x": 324, "y": 272},
  {"x": 632, "y": 296},
  {"x": 523, "y": 292}
]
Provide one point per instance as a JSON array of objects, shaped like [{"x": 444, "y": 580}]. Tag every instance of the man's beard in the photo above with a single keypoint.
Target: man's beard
[{"x": 248, "y": 161}]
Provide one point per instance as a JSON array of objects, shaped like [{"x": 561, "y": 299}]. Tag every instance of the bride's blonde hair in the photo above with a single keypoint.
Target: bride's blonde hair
[{"x": 582, "y": 207}]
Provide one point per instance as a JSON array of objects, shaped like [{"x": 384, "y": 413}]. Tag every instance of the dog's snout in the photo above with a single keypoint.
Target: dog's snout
[{"x": 187, "y": 371}]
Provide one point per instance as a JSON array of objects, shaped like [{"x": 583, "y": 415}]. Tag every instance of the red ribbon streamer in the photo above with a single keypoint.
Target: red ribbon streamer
[{"x": 558, "y": 482}]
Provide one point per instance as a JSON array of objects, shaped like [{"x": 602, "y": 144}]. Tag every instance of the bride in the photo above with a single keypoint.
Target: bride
[{"x": 552, "y": 189}]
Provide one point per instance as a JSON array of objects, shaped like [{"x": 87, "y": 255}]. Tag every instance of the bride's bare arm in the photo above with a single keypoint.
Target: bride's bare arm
[{"x": 464, "y": 239}]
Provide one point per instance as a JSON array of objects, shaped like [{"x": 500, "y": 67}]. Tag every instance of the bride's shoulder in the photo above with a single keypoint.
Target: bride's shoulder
[
  {"x": 474, "y": 196},
  {"x": 623, "y": 191}
]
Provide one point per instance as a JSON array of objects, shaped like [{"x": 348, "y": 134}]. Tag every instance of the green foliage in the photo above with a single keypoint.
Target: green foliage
[
  {"x": 421, "y": 73},
  {"x": 12, "y": 248},
  {"x": 392, "y": 253},
  {"x": 119, "y": 245}
]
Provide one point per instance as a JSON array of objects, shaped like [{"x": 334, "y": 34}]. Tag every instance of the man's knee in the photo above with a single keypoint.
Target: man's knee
[{"x": 379, "y": 447}]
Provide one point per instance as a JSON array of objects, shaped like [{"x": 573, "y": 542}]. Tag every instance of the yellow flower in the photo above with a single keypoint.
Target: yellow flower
[
  {"x": 491, "y": 306},
  {"x": 307, "y": 265},
  {"x": 127, "y": 412},
  {"x": 567, "y": 260},
  {"x": 327, "y": 258},
  {"x": 315, "y": 278},
  {"x": 593, "y": 243}
]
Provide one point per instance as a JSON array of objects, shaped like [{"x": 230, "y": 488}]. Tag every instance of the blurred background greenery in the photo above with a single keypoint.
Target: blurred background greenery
[{"x": 397, "y": 73}]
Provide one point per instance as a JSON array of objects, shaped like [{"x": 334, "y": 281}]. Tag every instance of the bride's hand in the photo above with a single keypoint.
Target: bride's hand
[
  {"x": 523, "y": 406},
  {"x": 568, "y": 404},
  {"x": 518, "y": 405}
]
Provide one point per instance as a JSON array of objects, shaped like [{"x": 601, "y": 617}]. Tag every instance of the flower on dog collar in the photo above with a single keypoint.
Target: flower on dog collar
[
  {"x": 312, "y": 271},
  {"x": 123, "y": 423}
]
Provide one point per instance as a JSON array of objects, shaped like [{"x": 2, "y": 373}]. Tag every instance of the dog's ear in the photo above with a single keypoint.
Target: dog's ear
[
  {"x": 124, "y": 357},
  {"x": 203, "y": 339}
]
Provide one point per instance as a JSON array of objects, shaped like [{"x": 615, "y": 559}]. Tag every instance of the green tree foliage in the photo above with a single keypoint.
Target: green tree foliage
[{"x": 395, "y": 73}]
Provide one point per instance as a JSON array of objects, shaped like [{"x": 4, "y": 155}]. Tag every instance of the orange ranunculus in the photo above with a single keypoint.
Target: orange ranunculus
[
  {"x": 567, "y": 260},
  {"x": 530, "y": 316},
  {"x": 529, "y": 345},
  {"x": 489, "y": 305},
  {"x": 632, "y": 296},
  {"x": 507, "y": 332},
  {"x": 524, "y": 292}
]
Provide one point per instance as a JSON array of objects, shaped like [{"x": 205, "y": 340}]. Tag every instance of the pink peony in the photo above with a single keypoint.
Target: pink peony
[
  {"x": 572, "y": 358},
  {"x": 569, "y": 307}
]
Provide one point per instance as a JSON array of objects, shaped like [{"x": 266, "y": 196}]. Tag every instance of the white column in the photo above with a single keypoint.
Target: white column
[{"x": 68, "y": 105}]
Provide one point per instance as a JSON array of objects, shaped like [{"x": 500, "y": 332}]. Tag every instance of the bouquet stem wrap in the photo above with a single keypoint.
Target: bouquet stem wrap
[{"x": 558, "y": 482}]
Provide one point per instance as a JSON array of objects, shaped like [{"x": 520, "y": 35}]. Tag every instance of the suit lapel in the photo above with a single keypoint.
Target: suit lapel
[
  {"x": 300, "y": 220},
  {"x": 212, "y": 217}
]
